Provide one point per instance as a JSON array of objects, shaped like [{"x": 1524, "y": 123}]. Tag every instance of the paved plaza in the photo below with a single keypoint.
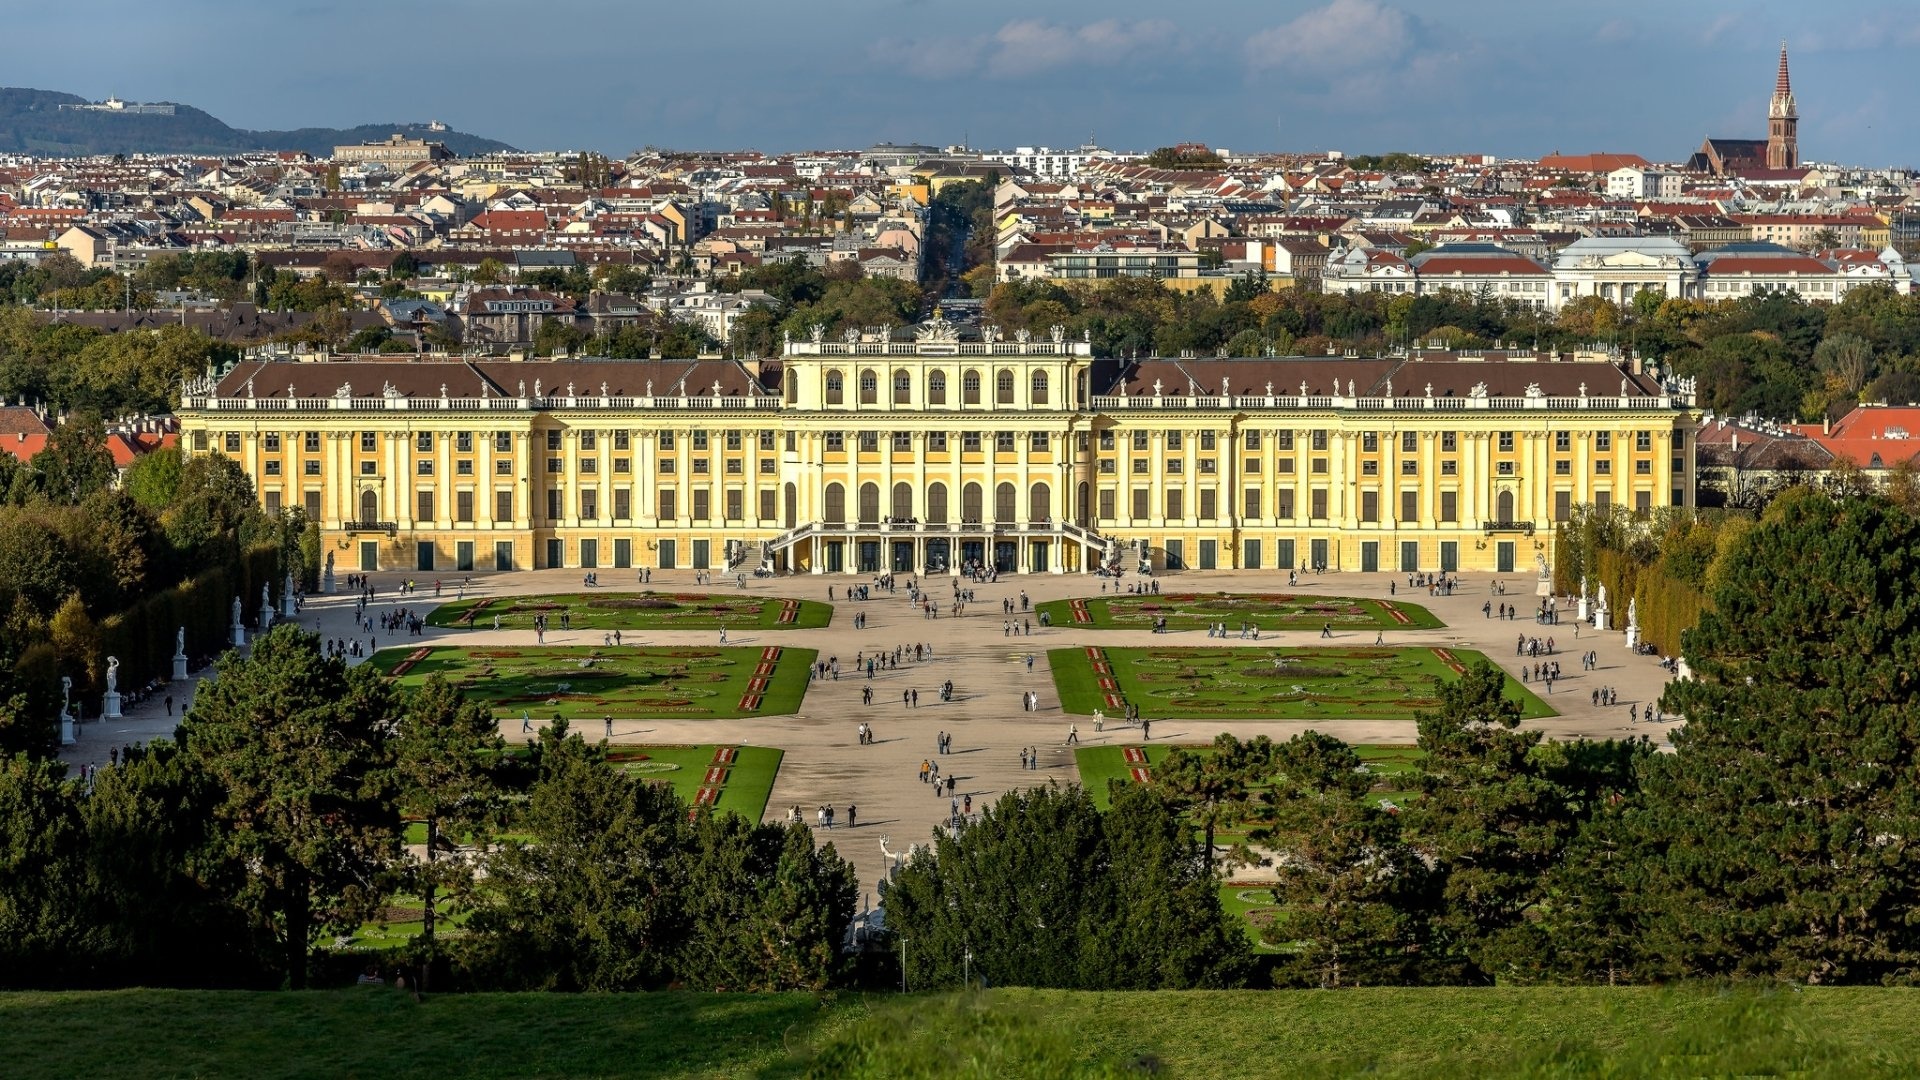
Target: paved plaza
[{"x": 825, "y": 761}]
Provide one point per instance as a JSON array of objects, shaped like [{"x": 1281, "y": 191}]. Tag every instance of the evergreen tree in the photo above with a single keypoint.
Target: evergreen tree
[
  {"x": 41, "y": 873},
  {"x": 1487, "y": 816},
  {"x": 1355, "y": 897},
  {"x": 767, "y": 909},
  {"x": 1218, "y": 789},
  {"x": 1165, "y": 926},
  {"x": 446, "y": 751},
  {"x": 593, "y": 899},
  {"x": 298, "y": 745},
  {"x": 1780, "y": 832}
]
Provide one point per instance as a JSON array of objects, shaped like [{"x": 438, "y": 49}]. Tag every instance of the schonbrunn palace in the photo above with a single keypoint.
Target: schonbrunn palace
[{"x": 1024, "y": 454}]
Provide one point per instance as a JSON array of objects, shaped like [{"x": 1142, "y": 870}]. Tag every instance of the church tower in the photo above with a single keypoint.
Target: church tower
[{"x": 1783, "y": 121}]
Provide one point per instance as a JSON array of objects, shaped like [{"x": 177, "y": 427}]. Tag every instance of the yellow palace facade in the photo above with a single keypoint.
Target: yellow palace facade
[{"x": 868, "y": 455}]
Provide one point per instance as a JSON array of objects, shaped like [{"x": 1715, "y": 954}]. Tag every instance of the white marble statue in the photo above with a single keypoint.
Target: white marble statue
[
  {"x": 236, "y": 611},
  {"x": 113, "y": 674},
  {"x": 1633, "y": 612},
  {"x": 180, "y": 642},
  {"x": 66, "y": 691}
]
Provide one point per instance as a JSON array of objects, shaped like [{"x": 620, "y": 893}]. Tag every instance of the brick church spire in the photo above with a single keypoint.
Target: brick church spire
[{"x": 1783, "y": 121}]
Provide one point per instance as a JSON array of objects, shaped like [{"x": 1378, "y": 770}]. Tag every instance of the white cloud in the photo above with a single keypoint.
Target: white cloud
[
  {"x": 1616, "y": 31},
  {"x": 1032, "y": 46},
  {"x": 1345, "y": 33}
]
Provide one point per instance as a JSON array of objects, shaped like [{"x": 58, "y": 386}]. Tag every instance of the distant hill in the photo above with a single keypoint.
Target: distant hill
[{"x": 32, "y": 122}]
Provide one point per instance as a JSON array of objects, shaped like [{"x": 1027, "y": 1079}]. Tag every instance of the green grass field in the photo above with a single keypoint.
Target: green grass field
[
  {"x": 1348, "y": 683},
  {"x": 749, "y": 781},
  {"x": 1268, "y": 611},
  {"x": 649, "y": 610},
  {"x": 587, "y": 683},
  {"x": 1562, "y": 1033}
]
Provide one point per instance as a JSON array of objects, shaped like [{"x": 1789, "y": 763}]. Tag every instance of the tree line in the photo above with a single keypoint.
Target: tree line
[{"x": 79, "y": 547}]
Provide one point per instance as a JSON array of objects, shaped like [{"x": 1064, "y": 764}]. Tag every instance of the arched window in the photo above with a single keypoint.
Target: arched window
[
  {"x": 902, "y": 501},
  {"x": 1003, "y": 387},
  {"x": 869, "y": 387},
  {"x": 937, "y": 388},
  {"x": 793, "y": 506},
  {"x": 970, "y": 504},
  {"x": 937, "y": 503},
  {"x": 1080, "y": 506},
  {"x": 835, "y": 510},
  {"x": 1039, "y": 505},
  {"x": 1003, "y": 498},
  {"x": 869, "y": 504},
  {"x": 1039, "y": 388},
  {"x": 902, "y": 388},
  {"x": 1080, "y": 388},
  {"x": 970, "y": 388},
  {"x": 836, "y": 388},
  {"x": 1505, "y": 506},
  {"x": 792, "y": 387},
  {"x": 369, "y": 506}
]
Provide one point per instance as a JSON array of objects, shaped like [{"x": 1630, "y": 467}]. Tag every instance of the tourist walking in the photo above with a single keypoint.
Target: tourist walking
[{"x": 1073, "y": 734}]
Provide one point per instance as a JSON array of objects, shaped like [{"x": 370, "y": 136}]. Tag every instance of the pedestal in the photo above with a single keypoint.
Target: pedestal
[
  {"x": 112, "y": 709},
  {"x": 328, "y": 585},
  {"x": 1681, "y": 670},
  {"x": 286, "y": 606},
  {"x": 1584, "y": 613},
  {"x": 66, "y": 729},
  {"x": 1543, "y": 587},
  {"x": 239, "y": 636},
  {"x": 179, "y": 667},
  {"x": 266, "y": 617},
  {"x": 1603, "y": 619},
  {"x": 1633, "y": 638}
]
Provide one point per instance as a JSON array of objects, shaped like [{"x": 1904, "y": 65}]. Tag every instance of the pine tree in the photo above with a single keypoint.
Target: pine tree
[
  {"x": 298, "y": 745},
  {"x": 593, "y": 900},
  {"x": 1487, "y": 816},
  {"x": 1781, "y": 831},
  {"x": 41, "y": 873},
  {"x": 447, "y": 752},
  {"x": 1221, "y": 789},
  {"x": 1356, "y": 898}
]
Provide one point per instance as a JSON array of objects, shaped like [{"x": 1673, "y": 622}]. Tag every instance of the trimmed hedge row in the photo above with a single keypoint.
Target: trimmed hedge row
[{"x": 142, "y": 636}]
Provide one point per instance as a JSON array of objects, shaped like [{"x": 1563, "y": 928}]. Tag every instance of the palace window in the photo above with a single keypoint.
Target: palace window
[
  {"x": 733, "y": 440},
  {"x": 424, "y": 442},
  {"x": 312, "y": 442},
  {"x": 1319, "y": 440},
  {"x": 869, "y": 442},
  {"x": 902, "y": 388},
  {"x": 1603, "y": 440},
  {"x": 1253, "y": 440},
  {"x": 463, "y": 442},
  {"x": 937, "y": 388},
  {"x": 1409, "y": 442},
  {"x": 699, "y": 440},
  {"x": 869, "y": 387},
  {"x": 1370, "y": 442},
  {"x": 503, "y": 467},
  {"x": 367, "y": 443},
  {"x": 970, "y": 388},
  {"x": 937, "y": 441},
  {"x": 1206, "y": 440},
  {"x": 589, "y": 440},
  {"x": 553, "y": 439},
  {"x": 503, "y": 442},
  {"x": 1140, "y": 440},
  {"x": 623, "y": 440},
  {"x": 1643, "y": 440},
  {"x": 970, "y": 442},
  {"x": 836, "y": 388},
  {"x": 1003, "y": 387},
  {"x": 271, "y": 441},
  {"x": 1283, "y": 440},
  {"x": 1037, "y": 442},
  {"x": 836, "y": 441},
  {"x": 1449, "y": 468},
  {"x": 766, "y": 440},
  {"x": 1039, "y": 388},
  {"x": 1506, "y": 442},
  {"x": 1175, "y": 440},
  {"x": 1449, "y": 442},
  {"x": 1563, "y": 441}
]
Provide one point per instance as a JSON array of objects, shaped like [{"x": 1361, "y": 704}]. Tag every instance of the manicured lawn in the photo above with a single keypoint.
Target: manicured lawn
[
  {"x": 745, "y": 784},
  {"x": 648, "y": 610},
  {"x": 1335, "y": 683},
  {"x": 628, "y": 682},
  {"x": 1569, "y": 1033},
  {"x": 1268, "y": 611}
]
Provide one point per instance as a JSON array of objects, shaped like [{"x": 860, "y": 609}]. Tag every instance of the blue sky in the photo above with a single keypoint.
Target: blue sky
[{"x": 1498, "y": 76}]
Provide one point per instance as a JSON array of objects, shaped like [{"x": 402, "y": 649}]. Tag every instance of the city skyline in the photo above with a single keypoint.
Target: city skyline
[{"x": 1354, "y": 75}]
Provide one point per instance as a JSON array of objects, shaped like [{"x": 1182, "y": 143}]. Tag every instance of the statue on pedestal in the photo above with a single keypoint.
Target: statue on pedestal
[
  {"x": 111, "y": 709},
  {"x": 180, "y": 642}
]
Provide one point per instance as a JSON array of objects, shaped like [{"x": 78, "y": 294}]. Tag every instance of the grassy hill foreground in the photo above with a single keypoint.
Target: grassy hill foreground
[{"x": 1528, "y": 1032}]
